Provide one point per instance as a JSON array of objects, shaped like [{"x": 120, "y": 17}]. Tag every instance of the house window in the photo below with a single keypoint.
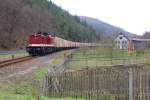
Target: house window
[{"x": 121, "y": 37}]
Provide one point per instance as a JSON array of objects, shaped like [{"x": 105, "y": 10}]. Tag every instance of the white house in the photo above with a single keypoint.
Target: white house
[{"x": 121, "y": 42}]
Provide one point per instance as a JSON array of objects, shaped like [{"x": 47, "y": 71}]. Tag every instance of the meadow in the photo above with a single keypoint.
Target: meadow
[
  {"x": 106, "y": 57},
  {"x": 7, "y": 56},
  {"x": 80, "y": 59}
]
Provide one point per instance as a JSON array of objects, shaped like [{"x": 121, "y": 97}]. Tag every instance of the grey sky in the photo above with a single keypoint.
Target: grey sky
[{"x": 131, "y": 15}]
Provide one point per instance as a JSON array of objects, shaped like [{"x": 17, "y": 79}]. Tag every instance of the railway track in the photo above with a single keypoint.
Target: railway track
[
  {"x": 19, "y": 70},
  {"x": 14, "y": 61}
]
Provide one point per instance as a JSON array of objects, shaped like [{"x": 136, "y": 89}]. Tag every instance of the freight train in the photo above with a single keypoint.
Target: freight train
[{"x": 42, "y": 43}]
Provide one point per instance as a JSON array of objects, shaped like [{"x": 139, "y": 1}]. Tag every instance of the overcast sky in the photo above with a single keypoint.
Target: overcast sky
[{"x": 131, "y": 15}]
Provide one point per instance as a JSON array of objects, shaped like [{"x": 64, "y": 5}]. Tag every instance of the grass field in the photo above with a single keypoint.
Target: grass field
[
  {"x": 24, "y": 90},
  {"x": 82, "y": 58},
  {"x": 11, "y": 56},
  {"x": 99, "y": 57},
  {"x": 6, "y": 96}
]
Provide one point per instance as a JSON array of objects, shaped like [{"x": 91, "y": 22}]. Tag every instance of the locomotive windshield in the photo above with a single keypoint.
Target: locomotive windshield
[{"x": 45, "y": 33}]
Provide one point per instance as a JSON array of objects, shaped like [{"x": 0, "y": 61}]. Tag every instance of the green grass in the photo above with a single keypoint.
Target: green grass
[
  {"x": 10, "y": 56},
  {"x": 9, "y": 96},
  {"x": 40, "y": 74},
  {"x": 21, "y": 90},
  {"x": 108, "y": 53},
  {"x": 16, "y": 88},
  {"x": 103, "y": 53},
  {"x": 57, "y": 61},
  {"x": 16, "y": 91},
  {"x": 67, "y": 98},
  {"x": 24, "y": 90},
  {"x": 99, "y": 57},
  {"x": 6, "y": 96}
]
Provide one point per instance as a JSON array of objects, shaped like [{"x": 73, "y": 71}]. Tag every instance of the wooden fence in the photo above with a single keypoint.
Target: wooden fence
[{"x": 116, "y": 83}]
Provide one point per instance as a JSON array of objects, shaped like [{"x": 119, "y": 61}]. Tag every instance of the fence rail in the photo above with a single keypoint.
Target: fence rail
[{"x": 116, "y": 83}]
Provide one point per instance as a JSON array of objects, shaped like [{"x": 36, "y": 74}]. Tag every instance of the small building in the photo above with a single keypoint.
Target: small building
[
  {"x": 121, "y": 42},
  {"x": 140, "y": 44}
]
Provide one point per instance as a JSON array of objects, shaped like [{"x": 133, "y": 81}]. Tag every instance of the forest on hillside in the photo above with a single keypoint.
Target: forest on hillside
[{"x": 19, "y": 18}]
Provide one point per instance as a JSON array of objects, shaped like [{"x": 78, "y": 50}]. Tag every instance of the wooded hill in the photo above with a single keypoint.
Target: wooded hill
[
  {"x": 19, "y": 18},
  {"x": 108, "y": 30}
]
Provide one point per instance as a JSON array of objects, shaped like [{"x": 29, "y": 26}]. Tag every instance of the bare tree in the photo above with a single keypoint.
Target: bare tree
[{"x": 18, "y": 19}]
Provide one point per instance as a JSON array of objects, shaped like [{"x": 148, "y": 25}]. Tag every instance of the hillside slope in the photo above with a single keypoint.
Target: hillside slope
[
  {"x": 107, "y": 29},
  {"x": 19, "y": 18}
]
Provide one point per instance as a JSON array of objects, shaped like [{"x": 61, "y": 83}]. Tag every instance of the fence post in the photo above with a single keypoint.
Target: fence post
[
  {"x": 36, "y": 91},
  {"x": 130, "y": 84}
]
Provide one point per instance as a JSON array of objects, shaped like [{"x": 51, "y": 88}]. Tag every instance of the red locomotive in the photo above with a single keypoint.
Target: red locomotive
[{"x": 43, "y": 43}]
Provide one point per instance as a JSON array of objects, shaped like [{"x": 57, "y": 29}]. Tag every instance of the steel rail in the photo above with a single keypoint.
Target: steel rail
[{"x": 14, "y": 61}]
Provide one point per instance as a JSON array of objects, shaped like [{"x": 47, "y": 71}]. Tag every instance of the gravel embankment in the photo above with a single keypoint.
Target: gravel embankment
[{"x": 25, "y": 68}]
